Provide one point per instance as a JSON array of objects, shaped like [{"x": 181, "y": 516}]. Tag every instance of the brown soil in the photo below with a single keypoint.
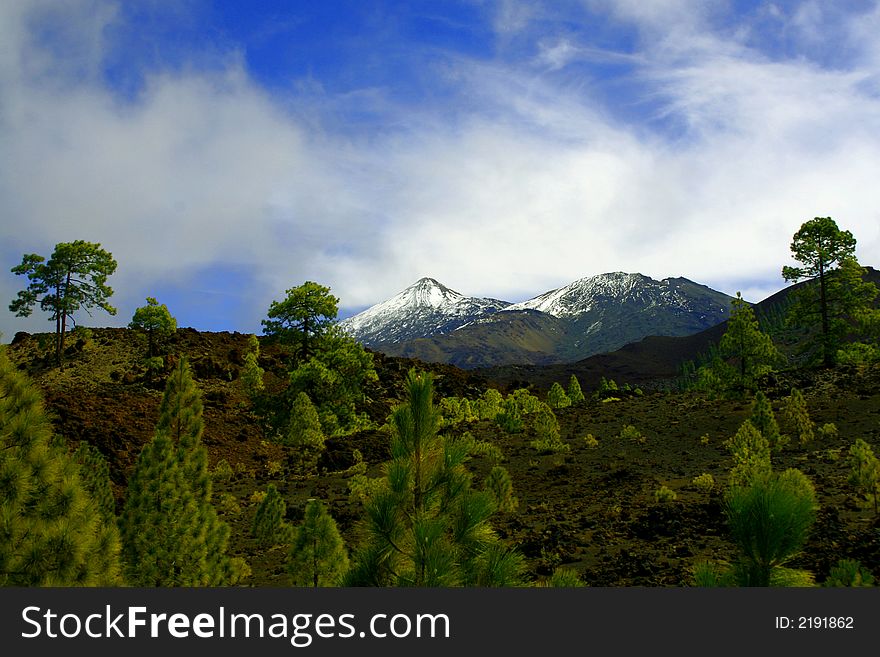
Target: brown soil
[{"x": 592, "y": 509}]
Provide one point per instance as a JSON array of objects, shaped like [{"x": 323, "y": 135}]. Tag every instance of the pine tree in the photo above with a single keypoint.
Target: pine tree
[
  {"x": 769, "y": 520},
  {"x": 747, "y": 353},
  {"x": 575, "y": 394},
  {"x": 95, "y": 475},
  {"x": 835, "y": 292},
  {"x": 427, "y": 526},
  {"x": 546, "y": 428},
  {"x": 557, "y": 398},
  {"x": 865, "y": 471},
  {"x": 51, "y": 531},
  {"x": 498, "y": 483},
  {"x": 171, "y": 533},
  {"x": 252, "y": 373},
  {"x": 751, "y": 455},
  {"x": 304, "y": 435},
  {"x": 318, "y": 556},
  {"x": 155, "y": 319},
  {"x": 74, "y": 277},
  {"x": 765, "y": 422},
  {"x": 797, "y": 417},
  {"x": 269, "y": 527}
]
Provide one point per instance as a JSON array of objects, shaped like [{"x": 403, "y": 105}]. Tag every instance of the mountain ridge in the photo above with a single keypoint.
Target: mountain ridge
[{"x": 591, "y": 315}]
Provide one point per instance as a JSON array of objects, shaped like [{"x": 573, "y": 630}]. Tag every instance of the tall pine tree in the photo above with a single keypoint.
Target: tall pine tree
[
  {"x": 426, "y": 526},
  {"x": 171, "y": 533},
  {"x": 51, "y": 531},
  {"x": 318, "y": 556}
]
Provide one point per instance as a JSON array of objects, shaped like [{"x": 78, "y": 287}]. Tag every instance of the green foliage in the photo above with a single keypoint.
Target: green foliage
[
  {"x": 302, "y": 317},
  {"x": 304, "y": 436},
  {"x": 797, "y": 418},
  {"x": 849, "y": 572},
  {"x": 269, "y": 527},
  {"x": 837, "y": 292},
  {"x": 455, "y": 410},
  {"x": 557, "y": 398},
  {"x": 827, "y": 431},
  {"x": 53, "y": 532},
  {"x": 483, "y": 448},
  {"x": 574, "y": 392},
  {"x": 769, "y": 521},
  {"x": 318, "y": 556},
  {"x": 665, "y": 494},
  {"x": 499, "y": 484},
  {"x": 334, "y": 378},
  {"x": 751, "y": 455},
  {"x": 171, "y": 533},
  {"x": 426, "y": 526},
  {"x": 746, "y": 354},
  {"x": 94, "y": 472},
  {"x": 252, "y": 373},
  {"x": 704, "y": 482},
  {"x": 155, "y": 320},
  {"x": 708, "y": 574},
  {"x": 630, "y": 433},
  {"x": 565, "y": 578},
  {"x": 864, "y": 473},
  {"x": 489, "y": 404},
  {"x": 74, "y": 277},
  {"x": 546, "y": 429},
  {"x": 223, "y": 471},
  {"x": 525, "y": 401},
  {"x": 362, "y": 488},
  {"x": 510, "y": 417},
  {"x": 764, "y": 421},
  {"x": 591, "y": 441},
  {"x": 606, "y": 389}
]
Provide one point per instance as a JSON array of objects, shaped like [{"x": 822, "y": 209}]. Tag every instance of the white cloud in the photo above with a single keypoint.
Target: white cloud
[{"x": 524, "y": 182}]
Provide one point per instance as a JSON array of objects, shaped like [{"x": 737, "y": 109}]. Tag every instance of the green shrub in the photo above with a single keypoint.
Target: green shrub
[
  {"x": 547, "y": 439},
  {"x": 765, "y": 422},
  {"x": 564, "y": 578},
  {"x": 557, "y": 398},
  {"x": 797, "y": 417},
  {"x": 498, "y": 483},
  {"x": 849, "y": 572},
  {"x": 704, "y": 482},
  {"x": 222, "y": 471},
  {"x": 827, "y": 431},
  {"x": 665, "y": 494},
  {"x": 269, "y": 527},
  {"x": 864, "y": 471},
  {"x": 751, "y": 455},
  {"x": 769, "y": 521},
  {"x": 574, "y": 392},
  {"x": 591, "y": 441},
  {"x": 629, "y": 432}
]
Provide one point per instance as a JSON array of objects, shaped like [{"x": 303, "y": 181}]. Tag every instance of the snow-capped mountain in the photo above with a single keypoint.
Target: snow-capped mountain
[
  {"x": 592, "y": 315},
  {"x": 425, "y": 308},
  {"x": 595, "y": 292}
]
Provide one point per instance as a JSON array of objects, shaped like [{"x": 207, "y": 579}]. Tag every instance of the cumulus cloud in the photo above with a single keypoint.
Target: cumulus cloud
[{"x": 527, "y": 178}]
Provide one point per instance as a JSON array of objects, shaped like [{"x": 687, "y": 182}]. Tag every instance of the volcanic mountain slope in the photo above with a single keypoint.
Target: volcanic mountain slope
[
  {"x": 654, "y": 361},
  {"x": 592, "y": 315},
  {"x": 425, "y": 308}
]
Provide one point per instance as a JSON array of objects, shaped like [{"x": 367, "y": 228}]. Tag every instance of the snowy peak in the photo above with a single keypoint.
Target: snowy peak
[
  {"x": 585, "y": 294},
  {"x": 428, "y": 292},
  {"x": 427, "y": 307}
]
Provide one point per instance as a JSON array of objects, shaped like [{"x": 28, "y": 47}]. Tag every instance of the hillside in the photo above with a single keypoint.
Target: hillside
[{"x": 591, "y": 509}]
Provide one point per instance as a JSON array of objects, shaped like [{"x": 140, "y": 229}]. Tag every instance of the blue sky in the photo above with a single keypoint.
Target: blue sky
[{"x": 226, "y": 151}]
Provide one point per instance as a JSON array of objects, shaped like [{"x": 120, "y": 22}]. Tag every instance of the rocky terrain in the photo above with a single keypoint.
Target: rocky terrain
[{"x": 592, "y": 509}]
